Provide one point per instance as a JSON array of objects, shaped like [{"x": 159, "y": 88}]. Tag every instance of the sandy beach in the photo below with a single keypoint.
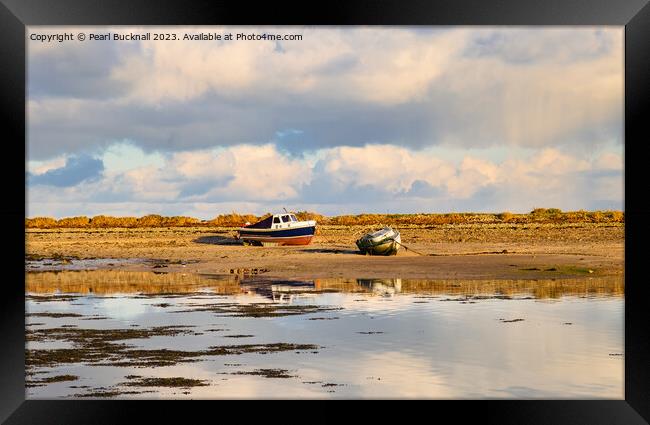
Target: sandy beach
[{"x": 461, "y": 251}]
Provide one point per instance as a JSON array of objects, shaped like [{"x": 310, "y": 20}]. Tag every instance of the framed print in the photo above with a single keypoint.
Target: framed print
[{"x": 361, "y": 202}]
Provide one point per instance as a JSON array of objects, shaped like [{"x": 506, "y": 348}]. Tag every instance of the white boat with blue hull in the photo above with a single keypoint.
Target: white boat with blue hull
[{"x": 278, "y": 229}]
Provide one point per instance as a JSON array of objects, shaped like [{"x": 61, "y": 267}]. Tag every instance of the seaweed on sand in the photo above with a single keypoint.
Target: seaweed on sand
[
  {"x": 53, "y": 315},
  {"x": 102, "y": 347},
  {"x": 97, "y": 336},
  {"x": 50, "y": 298},
  {"x": 165, "y": 382},
  {"x": 257, "y": 309},
  {"x": 103, "y": 392},
  {"x": 49, "y": 380},
  {"x": 267, "y": 373}
]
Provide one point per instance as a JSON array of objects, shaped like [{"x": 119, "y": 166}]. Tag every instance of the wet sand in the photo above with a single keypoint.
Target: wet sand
[{"x": 472, "y": 251}]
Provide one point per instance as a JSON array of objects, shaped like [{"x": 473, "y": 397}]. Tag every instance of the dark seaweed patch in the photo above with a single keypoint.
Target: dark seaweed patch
[
  {"x": 100, "y": 347},
  {"x": 86, "y": 337},
  {"x": 267, "y": 373},
  {"x": 90, "y": 345},
  {"x": 471, "y": 299},
  {"x": 511, "y": 321},
  {"x": 54, "y": 257},
  {"x": 49, "y": 380},
  {"x": 54, "y": 315},
  {"x": 166, "y": 382},
  {"x": 105, "y": 393},
  {"x": 50, "y": 298},
  {"x": 257, "y": 309}
]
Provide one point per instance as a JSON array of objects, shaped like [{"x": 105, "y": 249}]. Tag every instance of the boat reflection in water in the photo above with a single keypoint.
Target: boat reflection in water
[
  {"x": 383, "y": 287},
  {"x": 288, "y": 290},
  {"x": 283, "y": 291},
  {"x": 123, "y": 283}
]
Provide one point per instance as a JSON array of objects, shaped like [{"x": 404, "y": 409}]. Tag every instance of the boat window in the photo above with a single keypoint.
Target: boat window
[
  {"x": 285, "y": 218},
  {"x": 293, "y": 218},
  {"x": 276, "y": 220}
]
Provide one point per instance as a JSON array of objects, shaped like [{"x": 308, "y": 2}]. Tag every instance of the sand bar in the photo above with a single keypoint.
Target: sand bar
[{"x": 468, "y": 251}]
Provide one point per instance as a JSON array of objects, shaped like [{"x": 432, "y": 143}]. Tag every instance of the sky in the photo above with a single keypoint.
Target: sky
[{"x": 346, "y": 120}]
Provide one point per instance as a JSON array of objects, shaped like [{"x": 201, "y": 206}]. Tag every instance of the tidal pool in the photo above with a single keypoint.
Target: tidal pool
[{"x": 118, "y": 334}]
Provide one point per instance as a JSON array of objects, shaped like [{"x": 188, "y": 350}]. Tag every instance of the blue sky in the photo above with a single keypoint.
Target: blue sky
[{"x": 361, "y": 119}]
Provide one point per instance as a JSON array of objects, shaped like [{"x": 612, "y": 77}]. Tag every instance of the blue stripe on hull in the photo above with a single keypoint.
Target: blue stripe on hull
[{"x": 280, "y": 233}]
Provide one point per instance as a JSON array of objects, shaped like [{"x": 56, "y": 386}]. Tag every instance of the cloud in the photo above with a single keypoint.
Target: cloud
[
  {"x": 40, "y": 167},
  {"x": 75, "y": 70},
  {"x": 411, "y": 87},
  {"x": 347, "y": 120},
  {"x": 77, "y": 169},
  {"x": 373, "y": 178},
  {"x": 524, "y": 46}
]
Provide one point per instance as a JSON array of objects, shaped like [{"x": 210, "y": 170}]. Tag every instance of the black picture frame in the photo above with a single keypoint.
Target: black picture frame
[{"x": 15, "y": 15}]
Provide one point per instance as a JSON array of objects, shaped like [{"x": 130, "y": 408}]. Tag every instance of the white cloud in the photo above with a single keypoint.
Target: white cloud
[
  {"x": 243, "y": 172},
  {"x": 373, "y": 118},
  {"x": 413, "y": 87},
  {"x": 260, "y": 179},
  {"x": 362, "y": 63},
  {"x": 388, "y": 167}
]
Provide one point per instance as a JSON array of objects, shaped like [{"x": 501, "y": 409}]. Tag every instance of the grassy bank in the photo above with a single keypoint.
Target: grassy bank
[{"x": 538, "y": 215}]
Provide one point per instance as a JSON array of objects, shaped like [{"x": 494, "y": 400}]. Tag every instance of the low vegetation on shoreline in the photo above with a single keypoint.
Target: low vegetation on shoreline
[{"x": 538, "y": 215}]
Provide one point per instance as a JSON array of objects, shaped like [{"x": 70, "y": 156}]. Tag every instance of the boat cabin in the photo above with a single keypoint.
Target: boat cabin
[
  {"x": 276, "y": 221},
  {"x": 283, "y": 221}
]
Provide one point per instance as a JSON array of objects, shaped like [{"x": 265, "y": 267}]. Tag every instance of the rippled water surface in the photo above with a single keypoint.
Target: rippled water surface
[{"x": 122, "y": 334}]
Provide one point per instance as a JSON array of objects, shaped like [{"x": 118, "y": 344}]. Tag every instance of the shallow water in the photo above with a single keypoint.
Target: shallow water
[
  {"x": 57, "y": 264},
  {"x": 251, "y": 337}
]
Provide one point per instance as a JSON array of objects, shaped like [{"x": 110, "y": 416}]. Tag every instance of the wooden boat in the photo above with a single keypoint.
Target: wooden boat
[
  {"x": 278, "y": 229},
  {"x": 386, "y": 241}
]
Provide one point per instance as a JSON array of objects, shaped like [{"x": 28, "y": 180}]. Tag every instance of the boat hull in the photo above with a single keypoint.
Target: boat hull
[
  {"x": 385, "y": 246},
  {"x": 295, "y": 236}
]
